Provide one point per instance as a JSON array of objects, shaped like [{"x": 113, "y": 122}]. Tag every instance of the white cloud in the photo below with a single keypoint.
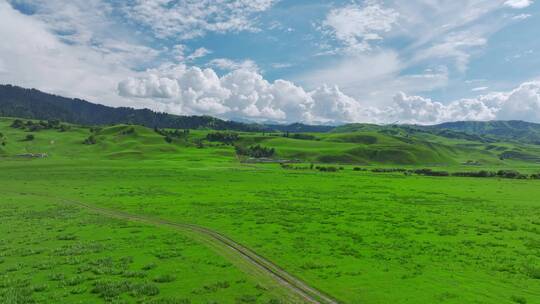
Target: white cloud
[
  {"x": 356, "y": 26},
  {"x": 82, "y": 54},
  {"x": 374, "y": 78},
  {"x": 455, "y": 45},
  {"x": 246, "y": 94},
  {"x": 199, "y": 53},
  {"x": 420, "y": 110},
  {"x": 521, "y": 17},
  {"x": 34, "y": 57},
  {"x": 231, "y": 65},
  {"x": 518, "y": 3},
  {"x": 522, "y": 103},
  {"x": 180, "y": 53},
  {"x": 191, "y": 19},
  {"x": 478, "y": 89}
]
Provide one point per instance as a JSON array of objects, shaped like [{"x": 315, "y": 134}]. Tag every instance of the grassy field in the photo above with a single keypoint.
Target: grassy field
[{"x": 360, "y": 237}]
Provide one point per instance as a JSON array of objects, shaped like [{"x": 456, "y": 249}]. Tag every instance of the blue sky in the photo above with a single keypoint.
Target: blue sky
[{"x": 418, "y": 61}]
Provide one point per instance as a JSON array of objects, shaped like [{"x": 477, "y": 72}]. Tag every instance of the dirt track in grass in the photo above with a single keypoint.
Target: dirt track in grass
[{"x": 293, "y": 284}]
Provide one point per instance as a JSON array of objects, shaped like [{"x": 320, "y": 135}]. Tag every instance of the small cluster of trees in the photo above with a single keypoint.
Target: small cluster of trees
[
  {"x": 2, "y": 139},
  {"x": 170, "y": 135},
  {"x": 227, "y": 138},
  {"x": 328, "y": 168},
  {"x": 312, "y": 167},
  {"x": 128, "y": 131},
  {"x": 257, "y": 151},
  {"x": 90, "y": 140},
  {"x": 512, "y": 174},
  {"x": 388, "y": 170},
  {"x": 303, "y": 136},
  {"x": 38, "y": 126}
]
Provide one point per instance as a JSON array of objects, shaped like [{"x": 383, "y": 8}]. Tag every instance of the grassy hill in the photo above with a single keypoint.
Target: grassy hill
[
  {"x": 372, "y": 144},
  {"x": 365, "y": 145},
  {"x": 349, "y": 233},
  {"x": 508, "y": 130}
]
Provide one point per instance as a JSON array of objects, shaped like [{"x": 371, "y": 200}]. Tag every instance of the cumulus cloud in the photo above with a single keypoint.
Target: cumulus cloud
[
  {"x": 239, "y": 94},
  {"x": 518, "y": 3},
  {"x": 243, "y": 93},
  {"x": 246, "y": 94},
  {"x": 420, "y": 110},
  {"x": 522, "y": 103}
]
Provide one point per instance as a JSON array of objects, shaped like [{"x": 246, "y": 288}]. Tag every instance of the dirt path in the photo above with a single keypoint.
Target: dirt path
[{"x": 287, "y": 280}]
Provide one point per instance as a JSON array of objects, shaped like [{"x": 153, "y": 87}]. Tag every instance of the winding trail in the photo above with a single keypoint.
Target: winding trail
[{"x": 285, "y": 279}]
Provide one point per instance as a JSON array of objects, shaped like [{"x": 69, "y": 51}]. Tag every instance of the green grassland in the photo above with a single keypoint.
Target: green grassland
[{"x": 358, "y": 236}]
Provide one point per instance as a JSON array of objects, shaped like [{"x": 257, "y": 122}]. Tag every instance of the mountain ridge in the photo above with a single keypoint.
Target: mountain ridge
[{"x": 26, "y": 103}]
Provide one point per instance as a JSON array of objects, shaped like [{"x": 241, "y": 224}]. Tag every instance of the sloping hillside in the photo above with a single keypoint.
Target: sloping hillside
[
  {"x": 34, "y": 104},
  {"x": 374, "y": 145},
  {"x": 508, "y": 130}
]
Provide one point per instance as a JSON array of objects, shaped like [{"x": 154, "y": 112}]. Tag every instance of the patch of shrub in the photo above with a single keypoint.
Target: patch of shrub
[
  {"x": 18, "y": 124},
  {"x": 29, "y": 137},
  {"x": 257, "y": 151},
  {"x": 246, "y": 299},
  {"x": 149, "y": 266},
  {"x": 17, "y": 295},
  {"x": 511, "y": 174},
  {"x": 66, "y": 237},
  {"x": 224, "y": 137},
  {"x": 429, "y": 172},
  {"x": 169, "y": 136},
  {"x": 164, "y": 278},
  {"x": 212, "y": 287},
  {"x": 144, "y": 289},
  {"x": 388, "y": 170},
  {"x": 38, "y": 126},
  {"x": 39, "y": 288},
  {"x": 57, "y": 277},
  {"x": 518, "y": 299},
  {"x": 74, "y": 281},
  {"x": 170, "y": 301},
  {"x": 482, "y": 173},
  {"x": 109, "y": 289},
  {"x": 128, "y": 131},
  {"x": 327, "y": 169},
  {"x": 90, "y": 140},
  {"x": 359, "y": 169}
]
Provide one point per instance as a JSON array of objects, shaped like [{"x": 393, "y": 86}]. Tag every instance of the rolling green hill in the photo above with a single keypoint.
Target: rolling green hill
[
  {"x": 508, "y": 130},
  {"x": 367, "y": 145}
]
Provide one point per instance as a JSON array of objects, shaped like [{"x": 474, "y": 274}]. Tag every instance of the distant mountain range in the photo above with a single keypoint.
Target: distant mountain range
[
  {"x": 508, "y": 130},
  {"x": 34, "y": 104}
]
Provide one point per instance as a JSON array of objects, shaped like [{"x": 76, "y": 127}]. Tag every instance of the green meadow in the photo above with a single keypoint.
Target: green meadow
[{"x": 356, "y": 235}]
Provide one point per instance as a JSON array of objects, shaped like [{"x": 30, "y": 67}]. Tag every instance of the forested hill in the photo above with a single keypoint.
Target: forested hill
[{"x": 34, "y": 104}]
